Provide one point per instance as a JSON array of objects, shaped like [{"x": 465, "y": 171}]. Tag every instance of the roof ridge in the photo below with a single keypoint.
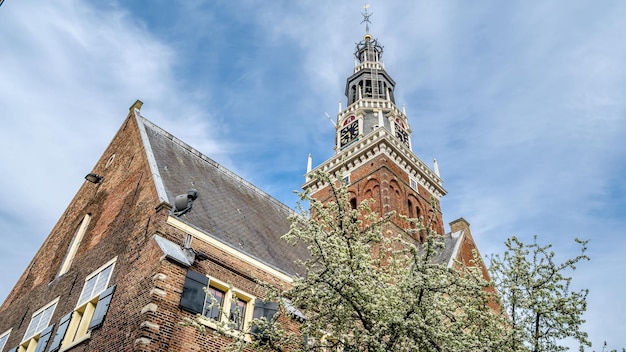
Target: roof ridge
[{"x": 214, "y": 163}]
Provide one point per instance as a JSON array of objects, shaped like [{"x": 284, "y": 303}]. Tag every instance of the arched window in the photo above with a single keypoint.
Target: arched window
[
  {"x": 353, "y": 203},
  {"x": 368, "y": 89},
  {"x": 380, "y": 94}
]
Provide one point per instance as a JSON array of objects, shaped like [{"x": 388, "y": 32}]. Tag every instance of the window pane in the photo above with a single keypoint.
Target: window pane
[
  {"x": 238, "y": 313},
  {"x": 45, "y": 317},
  {"x": 103, "y": 278},
  {"x": 3, "y": 340},
  {"x": 32, "y": 327},
  {"x": 213, "y": 312},
  {"x": 87, "y": 290}
]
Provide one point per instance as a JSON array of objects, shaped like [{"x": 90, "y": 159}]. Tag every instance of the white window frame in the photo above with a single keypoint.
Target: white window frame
[
  {"x": 413, "y": 183},
  {"x": 345, "y": 179},
  {"x": 73, "y": 248},
  {"x": 78, "y": 329},
  {"x": 4, "y": 337},
  {"x": 30, "y": 339},
  {"x": 96, "y": 274}
]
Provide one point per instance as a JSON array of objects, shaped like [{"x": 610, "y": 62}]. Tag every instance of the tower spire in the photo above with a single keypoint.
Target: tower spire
[
  {"x": 369, "y": 80},
  {"x": 373, "y": 148},
  {"x": 366, "y": 18}
]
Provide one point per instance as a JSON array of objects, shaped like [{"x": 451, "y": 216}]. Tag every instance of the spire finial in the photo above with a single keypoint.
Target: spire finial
[{"x": 366, "y": 18}]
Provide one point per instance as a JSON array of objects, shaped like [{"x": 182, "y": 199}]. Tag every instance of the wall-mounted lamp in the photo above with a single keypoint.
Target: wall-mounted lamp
[
  {"x": 184, "y": 202},
  {"x": 94, "y": 178}
]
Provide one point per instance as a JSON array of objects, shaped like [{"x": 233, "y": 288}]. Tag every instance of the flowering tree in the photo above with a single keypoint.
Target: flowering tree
[
  {"x": 536, "y": 294},
  {"x": 370, "y": 285}
]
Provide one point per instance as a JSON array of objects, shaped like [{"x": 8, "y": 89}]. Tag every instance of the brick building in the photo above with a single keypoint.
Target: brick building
[{"x": 156, "y": 221}]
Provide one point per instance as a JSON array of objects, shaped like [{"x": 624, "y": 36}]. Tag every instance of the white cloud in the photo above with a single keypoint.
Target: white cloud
[
  {"x": 68, "y": 75},
  {"x": 521, "y": 103}
]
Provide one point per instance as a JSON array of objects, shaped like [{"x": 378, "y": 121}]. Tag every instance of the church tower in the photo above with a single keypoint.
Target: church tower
[{"x": 373, "y": 150}]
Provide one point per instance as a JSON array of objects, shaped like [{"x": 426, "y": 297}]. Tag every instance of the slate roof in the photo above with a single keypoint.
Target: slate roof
[
  {"x": 229, "y": 208},
  {"x": 450, "y": 250}
]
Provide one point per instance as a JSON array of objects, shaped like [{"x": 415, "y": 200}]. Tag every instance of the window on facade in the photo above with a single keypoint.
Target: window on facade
[
  {"x": 3, "y": 339},
  {"x": 40, "y": 320},
  {"x": 230, "y": 307},
  {"x": 213, "y": 310},
  {"x": 238, "y": 313},
  {"x": 110, "y": 161},
  {"x": 96, "y": 283},
  {"x": 39, "y": 329},
  {"x": 413, "y": 184},
  {"x": 90, "y": 311},
  {"x": 217, "y": 301},
  {"x": 73, "y": 248},
  {"x": 353, "y": 204}
]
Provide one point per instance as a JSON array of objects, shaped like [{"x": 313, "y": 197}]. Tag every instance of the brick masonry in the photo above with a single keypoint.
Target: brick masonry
[
  {"x": 382, "y": 180},
  {"x": 126, "y": 212}
]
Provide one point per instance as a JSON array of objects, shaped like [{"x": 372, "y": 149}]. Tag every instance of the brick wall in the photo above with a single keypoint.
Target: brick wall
[
  {"x": 144, "y": 314},
  {"x": 122, "y": 207},
  {"x": 384, "y": 181}
]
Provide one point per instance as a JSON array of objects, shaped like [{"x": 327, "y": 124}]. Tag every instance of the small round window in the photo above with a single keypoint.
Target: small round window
[{"x": 110, "y": 161}]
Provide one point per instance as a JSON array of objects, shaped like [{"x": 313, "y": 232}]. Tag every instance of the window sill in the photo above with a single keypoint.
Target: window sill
[
  {"x": 76, "y": 342},
  {"x": 227, "y": 332}
]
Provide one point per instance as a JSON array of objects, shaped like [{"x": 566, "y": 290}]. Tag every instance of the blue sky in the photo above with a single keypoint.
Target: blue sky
[{"x": 522, "y": 103}]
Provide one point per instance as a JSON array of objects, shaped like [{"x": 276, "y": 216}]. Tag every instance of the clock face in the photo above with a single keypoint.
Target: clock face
[
  {"x": 402, "y": 135},
  {"x": 348, "y": 133}
]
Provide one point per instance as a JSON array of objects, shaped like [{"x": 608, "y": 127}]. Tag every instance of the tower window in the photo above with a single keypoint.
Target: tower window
[
  {"x": 353, "y": 203},
  {"x": 368, "y": 89}
]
